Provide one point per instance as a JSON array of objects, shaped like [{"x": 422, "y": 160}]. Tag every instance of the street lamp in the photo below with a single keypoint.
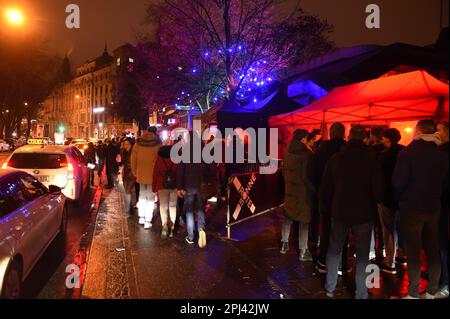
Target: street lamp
[{"x": 14, "y": 17}]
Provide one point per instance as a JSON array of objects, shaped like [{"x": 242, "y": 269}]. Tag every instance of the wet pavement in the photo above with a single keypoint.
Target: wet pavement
[{"x": 127, "y": 261}]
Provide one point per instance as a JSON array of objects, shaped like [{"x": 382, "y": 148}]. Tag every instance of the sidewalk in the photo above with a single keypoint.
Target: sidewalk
[{"x": 127, "y": 261}]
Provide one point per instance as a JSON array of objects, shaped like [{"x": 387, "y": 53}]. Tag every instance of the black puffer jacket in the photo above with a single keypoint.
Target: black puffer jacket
[
  {"x": 419, "y": 176},
  {"x": 353, "y": 184}
]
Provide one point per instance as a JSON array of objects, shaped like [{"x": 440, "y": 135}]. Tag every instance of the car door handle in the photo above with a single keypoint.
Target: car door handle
[{"x": 18, "y": 226}]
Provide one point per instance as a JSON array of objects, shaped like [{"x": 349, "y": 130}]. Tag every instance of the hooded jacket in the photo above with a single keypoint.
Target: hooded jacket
[
  {"x": 299, "y": 188},
  {"x": 419, "y": 175},
  {"x": 353, "y": 184},
  {"x": 143, "y": 157}
]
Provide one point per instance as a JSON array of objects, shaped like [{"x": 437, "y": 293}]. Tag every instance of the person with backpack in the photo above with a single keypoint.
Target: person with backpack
[
  {"x": 164, "y": 184},
  {"x": 195, "y": 182}
]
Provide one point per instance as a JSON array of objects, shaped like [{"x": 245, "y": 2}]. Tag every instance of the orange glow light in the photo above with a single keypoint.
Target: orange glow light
[{"x": 14, "y": 16}]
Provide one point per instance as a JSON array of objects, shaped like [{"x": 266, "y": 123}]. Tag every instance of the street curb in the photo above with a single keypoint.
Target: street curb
[{"x": 81, "y": 258}]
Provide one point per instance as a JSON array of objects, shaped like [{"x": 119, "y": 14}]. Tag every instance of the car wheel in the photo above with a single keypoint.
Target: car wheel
[{"x": 12, "y": 282}]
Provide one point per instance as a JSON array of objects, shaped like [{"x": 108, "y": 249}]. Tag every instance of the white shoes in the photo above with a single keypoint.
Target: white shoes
[
  {"x": 147, "y": 225},
  {"x": 142, "y": 221},
  {"x": 409, "y": 297},
  {"x": 427, "y": 296},
  {"x": 201, "y": 238}
]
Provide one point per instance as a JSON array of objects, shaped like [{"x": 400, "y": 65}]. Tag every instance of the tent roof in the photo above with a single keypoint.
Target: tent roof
[
  {"x": 361, "y": 63},
  {"x": 406, "y": 96}
]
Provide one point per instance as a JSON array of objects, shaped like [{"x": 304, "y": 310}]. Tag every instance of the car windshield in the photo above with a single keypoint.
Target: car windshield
[{"x": 37, "y": 160}]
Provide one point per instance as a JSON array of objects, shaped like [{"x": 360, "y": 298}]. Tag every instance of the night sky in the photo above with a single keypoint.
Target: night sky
[{"x": 116, "y": 21}]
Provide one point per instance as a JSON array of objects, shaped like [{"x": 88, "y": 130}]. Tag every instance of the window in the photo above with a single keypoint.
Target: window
[
  {"x": 32, "y": 187},
  {"x": 118, "y": 61},
  {"x": 131, "y": 60},
  {"x": 77, "y": 156},
  {"x": 37, "y": 161},
  {"x": 11, "y": 195}
]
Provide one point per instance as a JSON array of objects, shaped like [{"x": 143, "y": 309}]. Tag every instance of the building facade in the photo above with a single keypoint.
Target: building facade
[{"x": 84, "y": 106}]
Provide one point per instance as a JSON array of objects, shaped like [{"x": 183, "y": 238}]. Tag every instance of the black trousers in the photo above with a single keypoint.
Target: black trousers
[
  {"x": 314, "y": 226},
  {"x": 421, "y": 229}
]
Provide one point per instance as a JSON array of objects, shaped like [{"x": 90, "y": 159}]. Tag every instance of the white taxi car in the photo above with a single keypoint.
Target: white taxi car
[
  {"x": 31, "y": 218},
  {"x": 63, "y": 166},
  {"x": 4, "y": 146}
]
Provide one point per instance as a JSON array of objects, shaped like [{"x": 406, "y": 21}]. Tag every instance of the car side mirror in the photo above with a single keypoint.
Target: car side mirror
[{"x": 54, "y": 190}]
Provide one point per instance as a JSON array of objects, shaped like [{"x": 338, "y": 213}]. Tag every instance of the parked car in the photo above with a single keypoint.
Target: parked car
[
  {"x": 63, "y": 166},
  {"x": 4, "y": 146},
  {"x": 31, "y": 218}
]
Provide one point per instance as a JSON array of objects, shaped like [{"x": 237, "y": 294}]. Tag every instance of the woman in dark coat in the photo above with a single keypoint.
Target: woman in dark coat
[
  {"x": 112, "y": 150},
  {"x": 298, "y": 193},
  {"x": 127, "y": 177}
]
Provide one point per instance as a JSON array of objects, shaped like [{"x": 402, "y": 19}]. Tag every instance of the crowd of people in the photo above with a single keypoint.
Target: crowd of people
[
  {"x": 386, "y": 199},
  {"x": 149, "y": 176},
  {"x": 389, "y": 200}
]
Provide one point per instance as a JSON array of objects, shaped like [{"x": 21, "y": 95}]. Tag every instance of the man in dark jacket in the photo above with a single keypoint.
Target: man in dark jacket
[
  {"x": 101, "y": 154},
  {"x": 192, "y": 181},
  {"x": 352, "y": 186},
  {"x": 443, "y": 223},
  {"x": 111, "y": 152},
  {"x": 319, "y": 161},
  {"x": 89, "y": 155},
  {"x": 377, "y": 243},
  {"x": 418, "y": 180},
  {"x": 388, "y": 210}
]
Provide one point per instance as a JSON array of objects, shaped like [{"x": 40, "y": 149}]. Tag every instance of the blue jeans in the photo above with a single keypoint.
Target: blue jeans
[
  {"x": 189, "y": 200},
  {"x": 339, "y": 233}
]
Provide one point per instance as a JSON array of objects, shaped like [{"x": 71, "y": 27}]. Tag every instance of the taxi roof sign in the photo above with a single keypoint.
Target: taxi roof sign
[{"x": 37, "y": 141}]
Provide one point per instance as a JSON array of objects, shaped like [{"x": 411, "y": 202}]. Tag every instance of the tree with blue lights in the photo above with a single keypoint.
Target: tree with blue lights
[{"x": 229, "y": 49}]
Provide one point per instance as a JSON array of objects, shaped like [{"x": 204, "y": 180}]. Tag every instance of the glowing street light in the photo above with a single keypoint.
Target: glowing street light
[
  {"x": 99, "y": 110},
  {"x": 14, "y": 16}
]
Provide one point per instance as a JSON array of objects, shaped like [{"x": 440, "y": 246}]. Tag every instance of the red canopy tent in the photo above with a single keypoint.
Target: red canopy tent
[{"x": 398, "y": 98}]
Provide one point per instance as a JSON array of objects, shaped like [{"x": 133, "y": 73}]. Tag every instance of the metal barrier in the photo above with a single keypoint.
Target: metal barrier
[{"x": 251, "y": 194}]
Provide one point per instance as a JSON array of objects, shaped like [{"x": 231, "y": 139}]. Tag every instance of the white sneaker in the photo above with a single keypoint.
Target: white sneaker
[
  {"x": 409, "y": 297},
  {"x": 147, "y": 225},
  {"x": 442, "y": 294},
  {"x": 427, "y": 296},
  {"x": 201, "y": 238},
  {"x": 142, "y": 221}
]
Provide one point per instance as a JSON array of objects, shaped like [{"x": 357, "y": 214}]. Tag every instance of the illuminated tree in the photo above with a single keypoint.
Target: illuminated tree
[{"x": 230, "y": 49}]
